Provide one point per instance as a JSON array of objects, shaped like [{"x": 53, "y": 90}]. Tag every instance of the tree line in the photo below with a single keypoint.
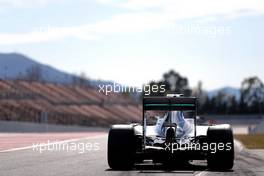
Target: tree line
[{"x": 250, "y": 100}]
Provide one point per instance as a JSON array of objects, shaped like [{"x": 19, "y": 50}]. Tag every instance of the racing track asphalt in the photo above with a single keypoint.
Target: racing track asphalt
[{"x": 29, "y": 162}]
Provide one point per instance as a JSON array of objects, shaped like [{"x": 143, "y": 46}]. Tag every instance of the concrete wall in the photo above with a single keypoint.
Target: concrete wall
[
  {"x": 242, "y": 124},
  {"x": 28, "y": 127}
]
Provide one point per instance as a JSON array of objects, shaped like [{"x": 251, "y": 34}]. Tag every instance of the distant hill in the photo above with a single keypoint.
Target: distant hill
[
  {"x": 227, "y": 90},
  {"x": 15, "y": 65}
]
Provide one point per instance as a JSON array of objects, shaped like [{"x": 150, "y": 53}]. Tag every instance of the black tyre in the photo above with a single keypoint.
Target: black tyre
[
  {"x": 221, "y": 147},
  {"x": 121, "y": 147}
]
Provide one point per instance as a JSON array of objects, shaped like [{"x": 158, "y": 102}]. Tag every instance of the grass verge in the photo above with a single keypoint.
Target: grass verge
[{"x": 251, "y": 141}]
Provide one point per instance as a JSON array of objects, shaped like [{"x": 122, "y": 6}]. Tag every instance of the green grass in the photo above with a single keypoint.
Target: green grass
[{"x": 251, "y": 141}]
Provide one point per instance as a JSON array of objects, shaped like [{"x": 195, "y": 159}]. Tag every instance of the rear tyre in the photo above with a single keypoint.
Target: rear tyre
[
  {"x": 221, "y": 147},
  {"x": 121, "y": 147}
]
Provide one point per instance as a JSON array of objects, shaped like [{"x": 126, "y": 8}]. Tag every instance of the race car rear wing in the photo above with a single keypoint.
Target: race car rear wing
[{"x": 169, "y": 103}]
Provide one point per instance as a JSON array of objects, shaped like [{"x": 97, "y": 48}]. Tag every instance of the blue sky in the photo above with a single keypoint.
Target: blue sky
[{"x": 135, "y": 41}]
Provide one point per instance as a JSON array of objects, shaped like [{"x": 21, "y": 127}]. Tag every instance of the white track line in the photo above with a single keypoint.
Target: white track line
[
  {"x": 203, "y": 173},
  {"x": 238, "y": 146},
  {"x": 58, "y": 142}
]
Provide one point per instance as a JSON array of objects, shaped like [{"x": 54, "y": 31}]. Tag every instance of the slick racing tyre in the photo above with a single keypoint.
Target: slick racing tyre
[
  {"x": 121, "y": 147},
  {"x": 221, "y": 147}
]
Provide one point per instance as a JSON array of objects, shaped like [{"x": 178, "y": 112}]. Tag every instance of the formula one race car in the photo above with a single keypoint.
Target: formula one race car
[{"x": 169, "y": 134}]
